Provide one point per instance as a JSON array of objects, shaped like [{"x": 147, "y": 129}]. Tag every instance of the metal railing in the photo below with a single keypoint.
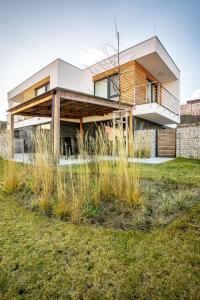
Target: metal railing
[{"x": 154, "y": 92}]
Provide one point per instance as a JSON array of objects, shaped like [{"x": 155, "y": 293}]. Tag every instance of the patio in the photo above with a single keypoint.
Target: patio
[{"x": 27, "y": 159}]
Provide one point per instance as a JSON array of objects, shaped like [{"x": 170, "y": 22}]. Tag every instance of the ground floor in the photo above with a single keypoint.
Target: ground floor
[{"x": 150, "y": 139}]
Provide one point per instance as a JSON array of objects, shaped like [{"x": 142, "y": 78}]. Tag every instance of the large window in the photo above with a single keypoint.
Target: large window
[
  {"x": 114, "y": 87},
  {"x": 42, "y": 89},
  {"x": 107, "y": 87},
  {"x": 100, "y": 88}
]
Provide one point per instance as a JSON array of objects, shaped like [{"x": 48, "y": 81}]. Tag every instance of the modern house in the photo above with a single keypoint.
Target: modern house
[{"x": 67, "y": 99}]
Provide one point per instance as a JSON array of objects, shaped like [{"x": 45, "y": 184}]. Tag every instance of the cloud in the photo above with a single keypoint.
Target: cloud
[
  {"x": 91, "y": 56},
  {"x": 196, "y": 95}
]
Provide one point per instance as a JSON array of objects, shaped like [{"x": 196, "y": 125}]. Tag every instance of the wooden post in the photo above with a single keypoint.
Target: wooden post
[
  {"x": 81, "y": 128},
  {"x": 131, "y": 140},
  {"x": 56, "y": 126},
  {"x": 11, "y": 136},
  {"x": 113, "y": 132},
  {"x": 126, "y": 132}
]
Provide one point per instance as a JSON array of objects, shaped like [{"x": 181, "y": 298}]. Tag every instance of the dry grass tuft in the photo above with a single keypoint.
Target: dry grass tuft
[
  {"x": 41, "y": 174},
  {"x": 102, "y": 177},
  {"x": 11, "y": 177}
]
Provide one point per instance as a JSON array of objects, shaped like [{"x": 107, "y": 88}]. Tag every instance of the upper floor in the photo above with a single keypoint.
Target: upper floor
[{"x": 147, "y": 77}]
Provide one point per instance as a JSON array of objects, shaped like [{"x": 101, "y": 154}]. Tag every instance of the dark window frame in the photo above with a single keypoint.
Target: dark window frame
[
  {"x": 43, "y": 85},
  {"x": 108, "y": 86}
]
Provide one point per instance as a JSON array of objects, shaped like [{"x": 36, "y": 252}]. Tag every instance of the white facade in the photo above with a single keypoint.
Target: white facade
[{"x": 150, "y": 54}]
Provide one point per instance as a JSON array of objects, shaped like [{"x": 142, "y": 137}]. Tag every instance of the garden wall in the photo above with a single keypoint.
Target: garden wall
[
  {"x": 188, "y": 141},
  {"x": 145, "y": 142},
  {"x": 3, "y": 144}
]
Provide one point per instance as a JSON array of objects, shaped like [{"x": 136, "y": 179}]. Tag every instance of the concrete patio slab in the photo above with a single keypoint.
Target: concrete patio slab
[{"x": 28, "y": 159}]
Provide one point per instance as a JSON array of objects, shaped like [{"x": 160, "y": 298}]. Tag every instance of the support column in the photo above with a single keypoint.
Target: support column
[
  {"x": 56, "y": 126},
  {"x": 131, "y": 121},
  {"x": 81, "y": 128},
  {"x": 131, "y": 139},
  {"x": 11, "y": 136}
]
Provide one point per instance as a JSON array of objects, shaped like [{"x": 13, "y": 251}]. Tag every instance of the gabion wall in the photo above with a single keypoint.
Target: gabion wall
[
  {"x": 145, "y": 140},
  {"x": 3, "y": 144},
  {"x": 188, "y": 141}
]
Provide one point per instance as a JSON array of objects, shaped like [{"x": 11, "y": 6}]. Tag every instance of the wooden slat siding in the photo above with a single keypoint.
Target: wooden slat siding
[
  {"x": 30, "y": 92},
  {"x": 166, "y": 142},
  {"x": 105, "y": 74},
  {"x": 132, "y": 74},
  {"x": 127, "y": 82}
]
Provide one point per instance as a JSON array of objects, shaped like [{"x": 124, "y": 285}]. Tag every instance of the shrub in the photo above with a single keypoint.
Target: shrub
[
  {"x": 184, "y": 199},
  {"x": 167, "y": 203},
  {"x": 143, "y": 153}
]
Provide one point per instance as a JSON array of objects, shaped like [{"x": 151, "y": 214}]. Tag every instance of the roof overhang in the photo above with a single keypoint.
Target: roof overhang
[
  {"x": 74, "y": 105},
  {"x": 157, "y": 67},
  {"x": 151, "y": 54}
]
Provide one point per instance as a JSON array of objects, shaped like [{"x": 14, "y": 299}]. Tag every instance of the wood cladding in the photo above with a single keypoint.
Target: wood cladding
[
  {"x": 30, "y": 92},
  {"x": 166, "y": 142},
  {"x": 132, "y": 74}
]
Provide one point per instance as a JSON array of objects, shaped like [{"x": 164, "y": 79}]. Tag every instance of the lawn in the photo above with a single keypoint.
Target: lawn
[{"x": 45, "y": 258}]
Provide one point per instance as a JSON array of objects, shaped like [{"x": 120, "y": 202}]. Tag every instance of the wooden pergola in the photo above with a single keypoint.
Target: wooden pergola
[{"x": 60, "y": 103}]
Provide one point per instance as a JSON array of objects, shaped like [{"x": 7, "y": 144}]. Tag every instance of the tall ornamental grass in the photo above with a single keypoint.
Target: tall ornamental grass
[
  {"x": 11, "y": 175},
  {"x": 69, "y": 192},
  {"x": 42, "y": 173}
]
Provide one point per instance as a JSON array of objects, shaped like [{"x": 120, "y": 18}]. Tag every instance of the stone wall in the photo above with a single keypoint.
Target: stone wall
[
  {"x": 145, "y": 141},
  {"x": 3, "y": 144},
  {"x": 188, "y": 141}
]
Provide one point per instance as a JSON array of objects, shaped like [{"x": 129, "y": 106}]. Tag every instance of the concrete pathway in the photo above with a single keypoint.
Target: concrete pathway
[{"x": 28, "y": 159}]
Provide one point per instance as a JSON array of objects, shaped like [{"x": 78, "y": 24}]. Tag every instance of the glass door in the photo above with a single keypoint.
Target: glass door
[{"x": 152, "y": 91}]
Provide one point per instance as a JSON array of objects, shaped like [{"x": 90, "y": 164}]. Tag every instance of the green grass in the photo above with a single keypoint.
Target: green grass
[
  {"x": 181, "y": 171},
  {"x": 43, "y": 258}
]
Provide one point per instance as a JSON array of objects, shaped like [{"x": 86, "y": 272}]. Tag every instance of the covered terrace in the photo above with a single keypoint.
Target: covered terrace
[{"x": 61, "y": 104}]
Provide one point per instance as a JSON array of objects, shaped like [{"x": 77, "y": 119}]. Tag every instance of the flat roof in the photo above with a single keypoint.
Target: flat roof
[{"x": 82, "y": 69}]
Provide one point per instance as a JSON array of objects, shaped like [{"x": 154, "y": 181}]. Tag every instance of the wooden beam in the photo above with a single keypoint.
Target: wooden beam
[
  {"x": 11, "y": 136},
  {"x": 24, "y": 107},
  {"x": 73, "y": 105},
  {"x": 56, "y": 126},
  {"x": 79, "y": 97}
]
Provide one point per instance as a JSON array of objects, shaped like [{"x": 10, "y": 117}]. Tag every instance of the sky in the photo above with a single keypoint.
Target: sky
[{"x": 35, "y": 32}]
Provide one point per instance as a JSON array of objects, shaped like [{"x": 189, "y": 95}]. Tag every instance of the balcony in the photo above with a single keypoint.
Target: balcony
[{"x": 155, "y": 103}]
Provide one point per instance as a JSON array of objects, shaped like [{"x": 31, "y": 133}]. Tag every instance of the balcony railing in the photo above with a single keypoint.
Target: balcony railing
[{"x": 154, "y": 92}]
